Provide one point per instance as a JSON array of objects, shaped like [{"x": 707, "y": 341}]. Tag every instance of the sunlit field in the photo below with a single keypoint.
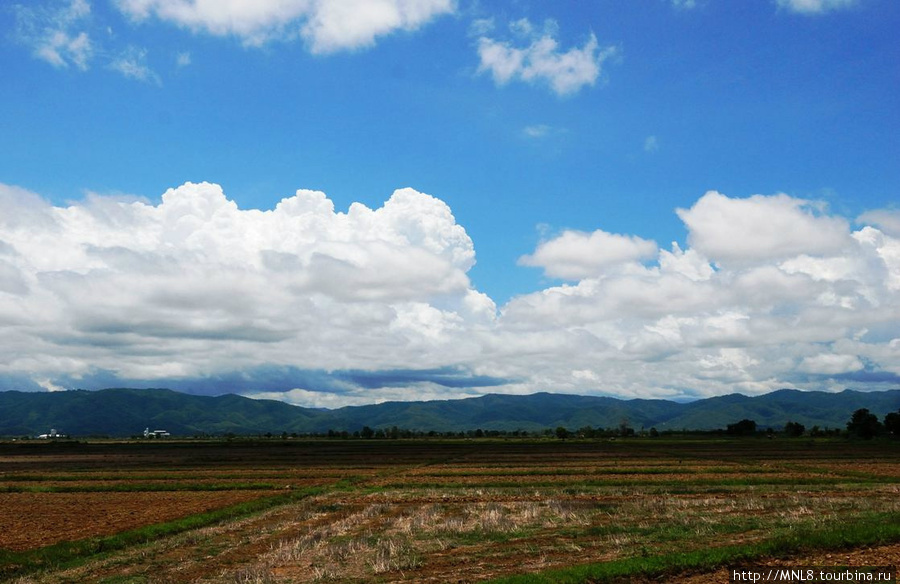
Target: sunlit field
[{"x": 434, "y": 511}]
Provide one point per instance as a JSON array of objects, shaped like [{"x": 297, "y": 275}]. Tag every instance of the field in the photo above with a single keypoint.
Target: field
[{"x": 440, "y": 511}]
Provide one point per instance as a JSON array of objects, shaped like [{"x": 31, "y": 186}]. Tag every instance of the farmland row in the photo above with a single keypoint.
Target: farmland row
[{"x": 431, "y": 511}]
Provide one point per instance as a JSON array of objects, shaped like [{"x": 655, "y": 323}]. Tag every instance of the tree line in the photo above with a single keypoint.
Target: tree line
[{"x": 862, "y": 424}]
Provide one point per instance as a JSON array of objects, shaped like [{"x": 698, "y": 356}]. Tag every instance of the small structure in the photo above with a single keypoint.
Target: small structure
[
  {"x": 53, "y": 434},
  {"x": 155, "y": 433}
]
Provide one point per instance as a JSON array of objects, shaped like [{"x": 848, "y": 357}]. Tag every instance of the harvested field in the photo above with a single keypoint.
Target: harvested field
[{"x": 431, "y": 511}]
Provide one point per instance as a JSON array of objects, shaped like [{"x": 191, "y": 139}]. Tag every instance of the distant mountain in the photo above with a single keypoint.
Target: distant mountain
[{"x": 126, "y": 412}]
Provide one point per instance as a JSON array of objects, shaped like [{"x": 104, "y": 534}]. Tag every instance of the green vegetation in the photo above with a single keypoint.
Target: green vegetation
[
  {"x": 864, "y": 424},
  {"x": 743, "y": 428},
  {"x": 794, "y": 429},
  {"x": 872, "y": 529},
  {"x": 892, "y": 423},
  {"x": 126, "y": 412}
]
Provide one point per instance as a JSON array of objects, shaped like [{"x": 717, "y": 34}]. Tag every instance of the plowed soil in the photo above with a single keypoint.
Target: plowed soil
[{"x": 32, "y": 520}]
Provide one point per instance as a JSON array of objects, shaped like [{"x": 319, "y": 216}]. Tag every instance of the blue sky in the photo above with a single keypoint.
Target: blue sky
[{"x": 557, "y": 142}]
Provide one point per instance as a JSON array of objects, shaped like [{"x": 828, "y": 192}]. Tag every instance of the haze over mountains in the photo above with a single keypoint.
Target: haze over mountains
[{"x": 126, "y": 412}]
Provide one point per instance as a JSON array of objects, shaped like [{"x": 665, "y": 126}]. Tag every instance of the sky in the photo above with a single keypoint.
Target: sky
[{"x": 343, "y": 202}]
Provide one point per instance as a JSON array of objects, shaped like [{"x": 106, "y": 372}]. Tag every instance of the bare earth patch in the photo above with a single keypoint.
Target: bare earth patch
[{"x": 33, "y": 520}]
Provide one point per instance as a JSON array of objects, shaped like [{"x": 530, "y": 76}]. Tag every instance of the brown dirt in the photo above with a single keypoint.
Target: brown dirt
[
  {"x": 168, "y": 484},
  {"x": 33, "y": 520}
]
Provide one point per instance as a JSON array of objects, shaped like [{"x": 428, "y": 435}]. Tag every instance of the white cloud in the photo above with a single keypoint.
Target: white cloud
[
  {"x": 651, "y": 144},
  {"x": 689, "y": 264},
  {"x": 537, "y": 130},
  {"x": 49, "y": 385},
  {"x": 355, "y": 397},
  {"x": 761, "y": 228},
  {"x": 541, "y": 61},
  {"x": 481, "y": 26},
  {"x": 132, "y": 63},
  {"x": 194, "y": 284},
  {"x": 194, "y": 287},
  {"x": 575, "y": 255},
  {"x": 814, "y": 6},
  {"x": 183, "y": 59},
  {"x": 888, "y": 220},
  {"x": 830, "y": 364},
  {"x": 57, "y": 35},
  {"x": 808, "y": 298},
  {"x": 540, "y": 131},
  {"x": 327, "y": 25}
]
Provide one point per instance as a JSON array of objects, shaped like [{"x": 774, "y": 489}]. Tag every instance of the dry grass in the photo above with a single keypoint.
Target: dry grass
[{"x": 467, "y": 526}]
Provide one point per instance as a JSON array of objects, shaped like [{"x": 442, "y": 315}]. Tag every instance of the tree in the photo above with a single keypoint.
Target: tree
[
  {"x": 367, "y": 432},
  {"x": 864, "y": 424},
  {"x": 892, "y": 423},
  {"x": 562, "y": 433},
  {"x": 794, "y": 429},
  {"x": 743, "y": 428}
]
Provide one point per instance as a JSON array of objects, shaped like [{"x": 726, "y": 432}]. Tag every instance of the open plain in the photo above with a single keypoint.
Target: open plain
[{"x": 437, "y": 510}]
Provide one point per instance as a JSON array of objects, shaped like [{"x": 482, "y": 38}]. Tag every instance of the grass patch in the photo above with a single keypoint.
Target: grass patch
[
  {"x": 68, "y": 554},
  {"x": 869, "y": 529}
]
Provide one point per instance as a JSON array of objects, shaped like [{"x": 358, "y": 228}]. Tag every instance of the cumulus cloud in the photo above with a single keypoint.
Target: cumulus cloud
[
  {"x": 575, "y": 255},
  {"x": 323, "y": 307},
  {"x": 814, "y": 6},
  {"x": 327, "y": 25},
  {"x": 772, "y": 292},
  {"x": 57, "y": 33},
  {"x": 541, "y": 60},
  {"x": 888, "y": 220},
  {"x": 195, "y": 285},
  {"x": 761, "y": 227}
]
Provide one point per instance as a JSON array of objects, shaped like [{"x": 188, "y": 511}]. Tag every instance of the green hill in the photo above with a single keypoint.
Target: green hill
[{"x": 126, "y": 412}]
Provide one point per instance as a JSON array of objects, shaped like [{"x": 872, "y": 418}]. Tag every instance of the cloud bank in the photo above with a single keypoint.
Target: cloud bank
[{"x": 322, "y": 307}]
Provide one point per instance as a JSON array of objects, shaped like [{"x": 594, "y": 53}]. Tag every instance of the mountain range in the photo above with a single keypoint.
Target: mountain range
[{"x": 126, "y": 412}]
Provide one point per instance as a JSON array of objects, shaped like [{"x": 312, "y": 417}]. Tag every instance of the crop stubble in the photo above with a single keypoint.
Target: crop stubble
[{"x": 451, "y": 511}]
